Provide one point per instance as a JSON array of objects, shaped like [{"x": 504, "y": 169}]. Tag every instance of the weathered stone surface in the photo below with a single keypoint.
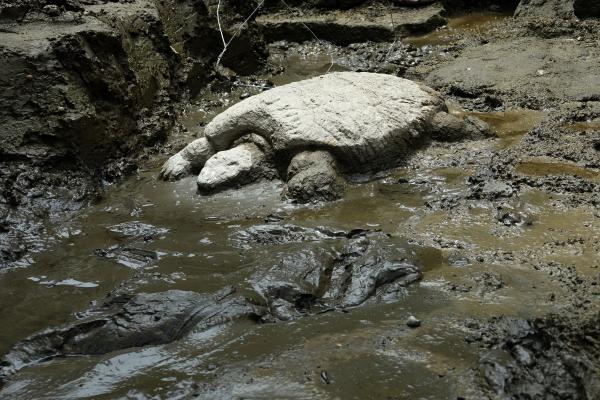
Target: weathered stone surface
[
  {"x": 130, "y": 321},
  {"x": 313, "y": 176},
  {"x": 339, "y": 122},
  {"x": 236, "y": 167},
  {"x": 363, "y": 119}
]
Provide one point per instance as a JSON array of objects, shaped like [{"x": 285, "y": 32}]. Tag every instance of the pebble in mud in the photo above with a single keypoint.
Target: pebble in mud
[{"x": 413, "y": 322}]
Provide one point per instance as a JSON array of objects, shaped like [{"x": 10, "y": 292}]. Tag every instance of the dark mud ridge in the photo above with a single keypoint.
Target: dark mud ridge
[{"x": 556, "y": 357}]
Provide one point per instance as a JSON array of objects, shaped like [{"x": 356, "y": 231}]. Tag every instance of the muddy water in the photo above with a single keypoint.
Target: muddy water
[
  {"x": 457, "y": 28},
  {"x": 509, "y": 125},
  {"x": 585, "y": 126},
  {"x": 549, "y": 167},
  {"x": 367, "y": 353},
  {"x": 474, "y": 267}
]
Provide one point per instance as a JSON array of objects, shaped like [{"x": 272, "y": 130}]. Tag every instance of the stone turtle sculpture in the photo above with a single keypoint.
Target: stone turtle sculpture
[{"x": 312, "y": 132}]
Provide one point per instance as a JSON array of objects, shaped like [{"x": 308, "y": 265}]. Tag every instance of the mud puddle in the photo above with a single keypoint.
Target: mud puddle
[
  {"x": 550, "y": 167},
  {"x": 509, "y": 125},
  {"x": 457, "y": 28},
  {"x": 584, "y": 126}
]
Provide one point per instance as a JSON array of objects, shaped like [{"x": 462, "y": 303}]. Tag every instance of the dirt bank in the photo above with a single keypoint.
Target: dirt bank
[{"x": 87, "y": 89}]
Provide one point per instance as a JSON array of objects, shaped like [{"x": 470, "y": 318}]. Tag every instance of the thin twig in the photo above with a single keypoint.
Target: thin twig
[
  {"x": 226, "y": 44},
  {"x": 219, "y": 23},
  {"x": 393, "y": 30}
]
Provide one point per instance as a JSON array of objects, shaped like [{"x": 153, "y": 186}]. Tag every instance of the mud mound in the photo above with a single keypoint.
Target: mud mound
[{"x": 557, "y": 357}]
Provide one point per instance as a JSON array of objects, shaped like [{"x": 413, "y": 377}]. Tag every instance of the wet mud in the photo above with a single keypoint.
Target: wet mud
[{"x": 490, "y": 243}]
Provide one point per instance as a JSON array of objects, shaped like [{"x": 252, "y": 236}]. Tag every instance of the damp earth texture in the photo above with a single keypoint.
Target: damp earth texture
[{"x": 468, "y": 269}]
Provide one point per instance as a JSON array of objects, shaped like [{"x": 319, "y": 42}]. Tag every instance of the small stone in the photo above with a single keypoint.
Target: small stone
[
  {"x": 413, "y": 322},
  {"x": 496, "y": 189}
]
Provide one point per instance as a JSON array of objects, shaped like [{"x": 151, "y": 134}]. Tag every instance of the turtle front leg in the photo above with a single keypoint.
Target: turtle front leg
[{"x": 188, "y": 161}]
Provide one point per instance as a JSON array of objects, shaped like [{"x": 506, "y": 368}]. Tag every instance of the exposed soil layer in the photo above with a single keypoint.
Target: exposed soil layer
[{"x": 350, "y": 26}]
